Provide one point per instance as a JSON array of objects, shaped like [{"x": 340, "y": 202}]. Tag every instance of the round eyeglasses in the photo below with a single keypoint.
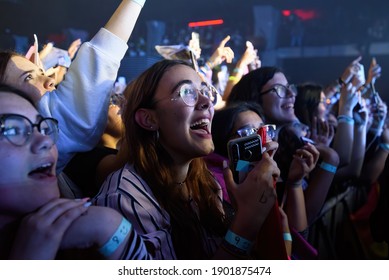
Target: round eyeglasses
[
  {"x": 247, "y": 131},
  {"x": 282, "y": 90},
  {"x": 18, "y": 129},
  {"x": 190, "y": 94}
]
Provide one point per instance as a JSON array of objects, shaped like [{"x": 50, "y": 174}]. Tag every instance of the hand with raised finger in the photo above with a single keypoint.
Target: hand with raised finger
[
  {"x": 248, "y": 56},
  {"x": 348, "y": 99},
  {"x": 350, "y": 70},
  {"x": 40, "y": 234},
  {"x": 73, "y": 48},
  {"x": 374, "y": 72},
  {"x": 222, "y": 53}
]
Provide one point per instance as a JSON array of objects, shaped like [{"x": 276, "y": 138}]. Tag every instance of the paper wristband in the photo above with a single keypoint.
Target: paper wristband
[
  {"x": 116, "y": 239},
  {"x": 345, "y": 119},
  {"x": 287, "y": 236},
  {"x": 384, "y": 146},
  {"x": 328, "y": 167},
  {"x": 238, "y": 241}
]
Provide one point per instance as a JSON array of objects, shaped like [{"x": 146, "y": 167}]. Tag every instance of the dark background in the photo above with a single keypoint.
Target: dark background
[{"x": 345, "y": 21}]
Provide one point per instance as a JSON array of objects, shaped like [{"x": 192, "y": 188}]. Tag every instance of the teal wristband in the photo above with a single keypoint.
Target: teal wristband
[
  {"x": 345, "y": 119},
  {"x": 328, "y": 167},
  {"x": 116, "y": 239},
  {"x": 140, "y": 2},
  {"x": 384, "y": 147},
  {"x": 238, "y": 241},
  {"x": 287, "y": 236}
]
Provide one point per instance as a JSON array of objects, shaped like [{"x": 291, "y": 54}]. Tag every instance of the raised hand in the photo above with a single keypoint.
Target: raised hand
[
  {"x": 351, "y": 70},
  {"x": 374, "y": 72},
  {"x": 322, "y": 132},
  {"x": 222, "y": 53},
  {"x": 304, "y": 161}
]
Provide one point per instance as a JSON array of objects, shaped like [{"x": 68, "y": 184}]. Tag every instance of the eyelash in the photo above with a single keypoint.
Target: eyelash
[{"x": 28, "y": 77}]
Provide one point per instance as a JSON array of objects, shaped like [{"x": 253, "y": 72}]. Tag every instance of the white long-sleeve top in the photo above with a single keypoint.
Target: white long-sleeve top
[{"x": 80, "y": 104}]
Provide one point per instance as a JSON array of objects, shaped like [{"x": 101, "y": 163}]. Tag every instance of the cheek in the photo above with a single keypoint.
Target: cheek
[{"x": 10, "y": 165}]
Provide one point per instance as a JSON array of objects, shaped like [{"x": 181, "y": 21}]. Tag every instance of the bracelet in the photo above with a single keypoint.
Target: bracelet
[
  {"x": 287, "y": 236},
  {"x": 209, "y": 64},
  {"x": 328, "y": 167},
  {"x": 345, "y": 119},
  {"x": 340, "y": 81},
  {"x": 384, "y": 146},
  {"x": 232, "y": 78},
  {"x": 116, "y": 239},
  {"x": 140, "y": 2},
  {"x": 237, "y": 241}
]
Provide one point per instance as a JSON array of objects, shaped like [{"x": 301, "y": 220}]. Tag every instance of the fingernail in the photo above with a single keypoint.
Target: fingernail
[{"x": 87, "y": 204}]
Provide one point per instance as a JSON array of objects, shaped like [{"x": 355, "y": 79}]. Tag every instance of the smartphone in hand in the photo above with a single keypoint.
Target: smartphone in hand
[{"x": 243, "y": 153}]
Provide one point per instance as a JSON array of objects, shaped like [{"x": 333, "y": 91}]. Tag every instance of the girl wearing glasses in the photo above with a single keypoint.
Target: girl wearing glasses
[
  {"x": 165, "y": 189},
  {"x": 35, "y": 223},
  {"x": 269, "y": 87}
]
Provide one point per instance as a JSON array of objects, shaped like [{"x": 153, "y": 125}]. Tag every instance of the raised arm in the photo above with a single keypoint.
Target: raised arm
[{"x": 123, "y": 20}]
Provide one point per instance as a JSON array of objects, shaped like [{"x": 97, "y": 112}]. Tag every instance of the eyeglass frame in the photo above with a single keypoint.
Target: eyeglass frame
[
  {"x": 287, "y": 88},
  {"x": 256, "y": 129},
  {"x": 3, "y": 118},
  {"x": 203, "y": 84}
]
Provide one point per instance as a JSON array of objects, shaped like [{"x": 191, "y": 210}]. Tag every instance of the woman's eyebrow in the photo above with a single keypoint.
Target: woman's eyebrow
[
  {"x": 26, "y": 72},
  {"x": 180, "y": 83}
]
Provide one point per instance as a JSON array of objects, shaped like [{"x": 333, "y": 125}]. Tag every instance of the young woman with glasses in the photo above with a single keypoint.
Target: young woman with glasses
[
  {"x": 269, "y": 87},
  {"x": 35, "y": 223},
  {"x": 165, "y": 189}
]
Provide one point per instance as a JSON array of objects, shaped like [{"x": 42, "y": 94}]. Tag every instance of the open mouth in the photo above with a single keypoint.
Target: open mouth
[
  {"x": 201, "y": 125},
  {"x": 288, "y": 106},
  {"x": 43, "y": 171}
]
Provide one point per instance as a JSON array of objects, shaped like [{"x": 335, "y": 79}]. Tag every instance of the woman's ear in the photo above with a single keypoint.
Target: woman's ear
[{"x": 145, "y": 118}]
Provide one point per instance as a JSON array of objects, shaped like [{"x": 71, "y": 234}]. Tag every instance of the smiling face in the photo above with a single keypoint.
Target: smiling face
[
  {"x": 246, "y": 119},
  {"x": 26, "y": 76},
  {"x": 184, "y": 131},
  {"x": 27, "y": 173},
  {"x": 277, "y": 110}
]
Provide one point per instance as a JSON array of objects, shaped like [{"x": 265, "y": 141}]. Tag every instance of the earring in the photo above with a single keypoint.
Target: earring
[{"x": 156, "y": 135}]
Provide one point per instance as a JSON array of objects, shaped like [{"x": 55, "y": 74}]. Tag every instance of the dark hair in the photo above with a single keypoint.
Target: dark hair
[
  {"x": 288, "y": 138},
  {"x": 224, "y": 121},
  {"x": 153, "y": 163},
  {"x": 307, "y": 101},
  {"x": 7, "y": 88},
  {"x": 5, "y": 57},
  {"x": 250, "y": 85}
]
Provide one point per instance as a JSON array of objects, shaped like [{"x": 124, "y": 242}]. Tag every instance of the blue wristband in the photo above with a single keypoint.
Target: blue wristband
[
  {"x": 287, "y": 236},
  {"x": 328, "y": 167},
  {"x": 238, "y": 241},
  {"x": 345, "y": 119},
  {"x": 116, "y": 239},
  {"x": 384, "y": 146}
]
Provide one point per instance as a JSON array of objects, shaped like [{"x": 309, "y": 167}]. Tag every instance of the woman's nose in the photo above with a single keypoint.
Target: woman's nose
[
  {"x": 40, "y": 142},
  {"x": 204, "y": 102},
  {"x": 49, "y": 83}
]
